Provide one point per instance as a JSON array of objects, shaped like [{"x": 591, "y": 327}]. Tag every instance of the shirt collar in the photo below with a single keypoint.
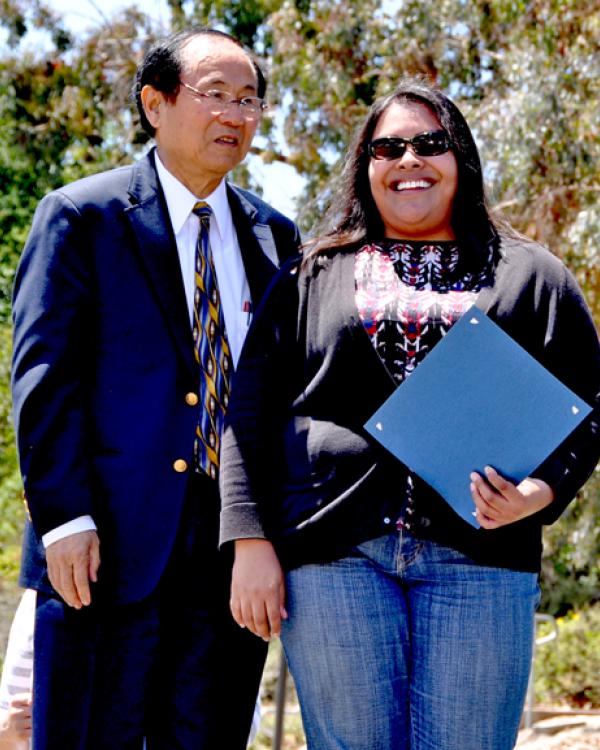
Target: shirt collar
[{"x": 180, "y": 201}]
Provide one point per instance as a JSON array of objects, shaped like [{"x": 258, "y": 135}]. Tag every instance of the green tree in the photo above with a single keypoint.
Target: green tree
[
  {"x": 64, "y": 113},
  {"x": 524, "y": 73}
]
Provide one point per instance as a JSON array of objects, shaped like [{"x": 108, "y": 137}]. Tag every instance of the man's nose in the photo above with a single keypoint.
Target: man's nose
[{"x": 233, "y": 113}]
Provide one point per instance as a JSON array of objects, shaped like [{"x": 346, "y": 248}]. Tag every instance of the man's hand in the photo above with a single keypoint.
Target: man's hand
[
  {"x": 257, "y": 588},
  {"x": 500, "y": 502},
  {"x": 72, "y": 563},
  {"x": 16, "y": 722}
]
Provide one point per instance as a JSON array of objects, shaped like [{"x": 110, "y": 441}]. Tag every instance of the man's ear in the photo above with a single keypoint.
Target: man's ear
[{"x": 153, "y": 102}]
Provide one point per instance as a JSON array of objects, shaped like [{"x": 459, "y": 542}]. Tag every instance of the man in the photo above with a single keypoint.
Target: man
[{"x": 131, "y": 304}]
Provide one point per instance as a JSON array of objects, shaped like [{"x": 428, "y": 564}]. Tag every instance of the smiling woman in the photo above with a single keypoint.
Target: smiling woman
[
  {"x": 414, "y": 190},
  {"x": 371, "y": 579}
]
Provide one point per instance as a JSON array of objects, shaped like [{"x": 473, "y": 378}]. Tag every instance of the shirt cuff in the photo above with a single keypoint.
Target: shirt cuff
[{"x": 82, "y": 523}]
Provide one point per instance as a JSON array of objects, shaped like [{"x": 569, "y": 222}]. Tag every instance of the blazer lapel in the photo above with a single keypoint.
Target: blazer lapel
[
  {"x": 257, "y": 245},
  {"x": 157, "y": 250}
]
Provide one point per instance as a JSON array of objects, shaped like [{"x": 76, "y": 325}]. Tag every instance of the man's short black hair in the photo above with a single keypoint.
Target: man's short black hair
[{"x": 162, "y": 66}]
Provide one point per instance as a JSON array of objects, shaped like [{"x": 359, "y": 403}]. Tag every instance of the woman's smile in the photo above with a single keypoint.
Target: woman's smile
[{"x": 414, "y": 194}]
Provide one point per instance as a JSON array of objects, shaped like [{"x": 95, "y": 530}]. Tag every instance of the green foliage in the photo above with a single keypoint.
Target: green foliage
[
  {"x": 7, "y": 444},
  {"x": 567, "y": 669},
  {"x": 63, "y": 114},
  {"x": 523, "y": 72},
  {"x": 523, "y": 75},
  {"x": 571, "y": 562},
  {"x": 12, "y": 513}
]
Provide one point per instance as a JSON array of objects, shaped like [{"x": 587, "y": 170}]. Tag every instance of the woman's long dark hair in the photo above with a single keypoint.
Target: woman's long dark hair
[{"x": 353, "y": 219}]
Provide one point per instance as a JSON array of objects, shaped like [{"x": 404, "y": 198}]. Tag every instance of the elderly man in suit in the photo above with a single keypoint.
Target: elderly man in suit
[{"x": 132, "y": 300}]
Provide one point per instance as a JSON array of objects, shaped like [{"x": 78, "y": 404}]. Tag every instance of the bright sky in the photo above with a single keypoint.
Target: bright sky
[
  {"x": 82, "y": 14},
  {"x": 281, "y": 184}
]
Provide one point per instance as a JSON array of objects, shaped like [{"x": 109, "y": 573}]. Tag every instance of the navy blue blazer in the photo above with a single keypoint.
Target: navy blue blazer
[{"x": 103, "y": 360}]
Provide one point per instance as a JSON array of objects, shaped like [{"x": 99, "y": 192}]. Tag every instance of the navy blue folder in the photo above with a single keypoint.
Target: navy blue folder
[{"x": 477, "y": 399}]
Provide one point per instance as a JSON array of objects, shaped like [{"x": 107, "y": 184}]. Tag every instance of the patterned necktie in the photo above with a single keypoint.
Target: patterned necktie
[{"x": 212, "y": 351}]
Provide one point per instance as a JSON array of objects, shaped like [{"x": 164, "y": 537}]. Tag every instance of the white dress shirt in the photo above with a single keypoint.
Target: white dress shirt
[{"x": 231, "y": 278}]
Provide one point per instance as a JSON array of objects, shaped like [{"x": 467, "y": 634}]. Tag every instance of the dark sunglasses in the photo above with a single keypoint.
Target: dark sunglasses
[{"x": 424, "y": 144}]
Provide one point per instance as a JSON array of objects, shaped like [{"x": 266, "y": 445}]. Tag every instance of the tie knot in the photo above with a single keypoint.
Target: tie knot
[{"x": 203, "y": 211}]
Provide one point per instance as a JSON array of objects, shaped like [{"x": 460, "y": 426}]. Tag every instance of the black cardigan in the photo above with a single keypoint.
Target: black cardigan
[{"x": 297, "y": 467}]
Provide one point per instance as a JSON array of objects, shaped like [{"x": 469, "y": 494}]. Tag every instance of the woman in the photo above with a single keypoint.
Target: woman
[{"x": 405, "y": 628}]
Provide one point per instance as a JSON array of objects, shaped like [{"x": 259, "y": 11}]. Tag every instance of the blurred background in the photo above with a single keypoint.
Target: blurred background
[{"x": 524, "y": 72}]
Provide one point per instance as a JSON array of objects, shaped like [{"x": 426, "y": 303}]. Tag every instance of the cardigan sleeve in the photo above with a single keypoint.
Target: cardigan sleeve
[
  {"x": 573, "y": 350},
  {"x": 262, "y": 391}
]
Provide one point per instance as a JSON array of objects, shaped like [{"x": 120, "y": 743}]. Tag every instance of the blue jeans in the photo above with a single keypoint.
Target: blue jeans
[{"x": 408, "y": 645}]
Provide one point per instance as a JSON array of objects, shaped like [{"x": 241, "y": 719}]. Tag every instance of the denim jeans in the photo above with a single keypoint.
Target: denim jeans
[{"x": 408, "y": 645}]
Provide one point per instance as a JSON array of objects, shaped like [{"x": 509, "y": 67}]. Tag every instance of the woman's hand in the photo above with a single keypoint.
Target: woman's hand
[
  {"x": 500, "y": 502},
  {"x": 257, "y": 588}
]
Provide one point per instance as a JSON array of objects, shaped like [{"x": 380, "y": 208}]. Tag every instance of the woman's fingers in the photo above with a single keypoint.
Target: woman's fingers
[
  {"x": 257, "y": 588},
  {"x": 499, "y": 502}
]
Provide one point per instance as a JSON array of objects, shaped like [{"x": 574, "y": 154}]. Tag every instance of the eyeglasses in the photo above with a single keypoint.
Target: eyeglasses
[
  {"x": 425, "y": 144},
  {"x": 217, "y": 102}
]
